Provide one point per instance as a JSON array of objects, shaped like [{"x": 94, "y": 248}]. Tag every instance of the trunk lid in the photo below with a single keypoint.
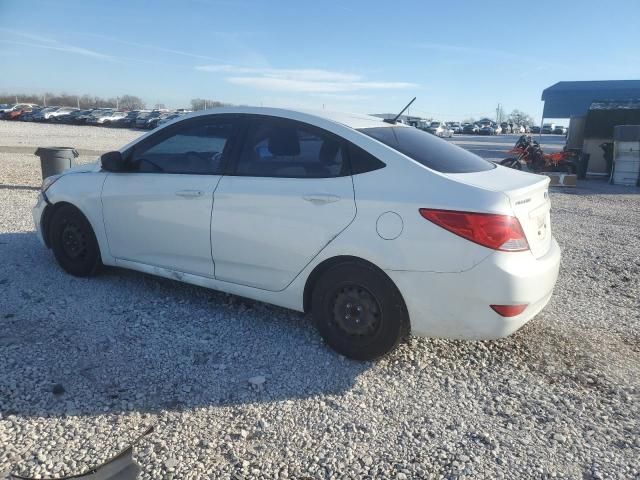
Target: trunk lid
[{"x": 528, "y": 195}]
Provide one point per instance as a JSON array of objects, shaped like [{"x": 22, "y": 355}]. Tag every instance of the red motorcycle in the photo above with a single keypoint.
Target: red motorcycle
[{"x": 528, "y": 152}]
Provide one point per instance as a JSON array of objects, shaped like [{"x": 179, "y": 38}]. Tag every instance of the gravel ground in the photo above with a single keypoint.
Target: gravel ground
[{"x": 238, "y": 389}]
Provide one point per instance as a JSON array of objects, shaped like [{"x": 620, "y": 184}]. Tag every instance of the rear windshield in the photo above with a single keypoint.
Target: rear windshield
[{"x": 429, "y": 150}]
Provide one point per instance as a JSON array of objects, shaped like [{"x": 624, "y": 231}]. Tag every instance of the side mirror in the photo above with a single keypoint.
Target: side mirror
[{"x": 113, "y": 162}]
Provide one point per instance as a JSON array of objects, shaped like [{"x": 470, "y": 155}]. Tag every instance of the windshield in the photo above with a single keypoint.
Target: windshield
[
  {"x": 429, "y": 150},
  {"x": 435, "y": 124}
]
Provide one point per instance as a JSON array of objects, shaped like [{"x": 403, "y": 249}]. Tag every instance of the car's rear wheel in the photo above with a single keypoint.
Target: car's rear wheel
[
  {"x": 359, "y": 311},
  {"x": 73, "y": 242}
]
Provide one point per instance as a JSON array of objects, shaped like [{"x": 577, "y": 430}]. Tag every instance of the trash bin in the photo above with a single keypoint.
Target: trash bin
[
  {"x": 583, "y": 166},
  {"x": 54, "y": 160}
]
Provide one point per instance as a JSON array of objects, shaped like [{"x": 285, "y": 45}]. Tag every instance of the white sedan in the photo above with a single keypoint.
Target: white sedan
[{"x": 378, "y": 229}]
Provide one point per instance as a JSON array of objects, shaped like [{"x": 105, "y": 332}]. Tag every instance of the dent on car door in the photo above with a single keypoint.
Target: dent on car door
[
  {"x": 291, "y": 193},
  {"x": 159, "y": 212}
]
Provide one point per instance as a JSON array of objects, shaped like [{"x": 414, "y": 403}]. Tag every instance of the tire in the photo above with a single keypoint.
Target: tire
[
  {"x": 73, "y": 242},
  {"x": 511, "y": 163},
  {"x": 359, "y": 311}
]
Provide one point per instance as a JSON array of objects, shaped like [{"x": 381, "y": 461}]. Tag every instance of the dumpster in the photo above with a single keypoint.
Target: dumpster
[{"x": 54, "y": 160}]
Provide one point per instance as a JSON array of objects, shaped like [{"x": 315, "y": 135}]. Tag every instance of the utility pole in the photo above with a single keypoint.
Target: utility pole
[
  {"x": 44, "y": 99},
  {"x": 117, "y": 103},
  {"x": 78, "y": 100}
]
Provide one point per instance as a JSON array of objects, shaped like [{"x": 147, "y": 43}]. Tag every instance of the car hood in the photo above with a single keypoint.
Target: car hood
[{"x": 94, "y": 166}]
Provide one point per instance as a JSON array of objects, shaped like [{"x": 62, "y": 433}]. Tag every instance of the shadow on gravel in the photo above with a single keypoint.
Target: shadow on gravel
[
  {"x": 18, "y": 187},
  {"x": 126, "y": 341},
  {"x": 597, "y": 186}
]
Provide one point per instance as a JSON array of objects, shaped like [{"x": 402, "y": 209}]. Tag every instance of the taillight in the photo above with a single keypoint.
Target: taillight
[
  {"x": 508, "y": 310},
  {"x": 499, "y": 232}
]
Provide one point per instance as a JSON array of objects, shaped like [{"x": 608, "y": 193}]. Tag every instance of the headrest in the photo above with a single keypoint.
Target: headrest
[
  {"x": 329, "y": 151},
  {"x": 283, "y": 141}
]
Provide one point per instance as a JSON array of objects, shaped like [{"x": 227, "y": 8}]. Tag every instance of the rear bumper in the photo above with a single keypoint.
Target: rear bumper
[{"x": 457, "y": 305}]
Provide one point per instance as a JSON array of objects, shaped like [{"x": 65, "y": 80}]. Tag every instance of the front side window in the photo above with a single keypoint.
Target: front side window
[
  {"x": 288, "y": 149},
  {"x": 429, "y": 150},
  {"x": 195, "y": 149}
]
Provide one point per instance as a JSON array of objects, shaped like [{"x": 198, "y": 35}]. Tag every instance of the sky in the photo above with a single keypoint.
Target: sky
[{"x": 459, "y": 58}]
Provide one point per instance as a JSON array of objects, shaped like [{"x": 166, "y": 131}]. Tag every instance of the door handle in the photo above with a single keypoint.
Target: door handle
[
  {"x": 321, "y": 198},
  {"x": 189, "y": 193}
]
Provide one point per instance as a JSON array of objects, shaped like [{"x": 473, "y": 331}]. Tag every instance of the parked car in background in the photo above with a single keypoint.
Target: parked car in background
[
  {"x": 453, "y": 246},
  {"x": 5, "y": 107},
  {"x": 28, "y": 116},
  {"x": 44, "y": 113},
  {"x": 82, "y": 119},
  {"x": 169, "y": 118},
  {"x": 97, "y": 117},
  {"x": 560, "y": 130},
  {"x": 109, "y": 118},
  {"x": 548, "y": 127},
  {"x": 440, "y": 129},
  {"x": 127, "y": 121},
  {"x": 70, "y": 117},
  {"x": 490, "y": 129},
  {"x": 14, "y": 111},
  {"x": 470, "y": 128},
  {"x": 506, "y": 128},
  {"x": 52, "y": 116},
  {"x": 155, "y": 121},
  {"x": 147, "y": 119},
  {"x": 455, "y": 126},
  {"x": 141, "y": 119},
  {"x": 19, "y": 109},
  {"x": 534, "y": 129}
]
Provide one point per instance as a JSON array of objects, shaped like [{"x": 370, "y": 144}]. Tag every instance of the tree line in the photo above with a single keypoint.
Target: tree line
[
  {"x": 123, "y": 102},
  {"x": 517, "y": 117}
]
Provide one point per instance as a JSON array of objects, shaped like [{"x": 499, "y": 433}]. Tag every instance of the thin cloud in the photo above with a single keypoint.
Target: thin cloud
[
  {"x": 51, "y": 44},
  {"x": 299, "y": 80},
  {"x": 229, "y": 38},
  {"x": 152, "y": 47}
]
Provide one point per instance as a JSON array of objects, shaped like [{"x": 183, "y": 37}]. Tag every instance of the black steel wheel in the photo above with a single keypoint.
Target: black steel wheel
[
  {"x": 73, "y": 242},
  {"x": 359, "y": 311}
]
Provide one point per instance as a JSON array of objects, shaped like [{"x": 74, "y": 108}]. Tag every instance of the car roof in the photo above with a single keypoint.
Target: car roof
[{"x": 352, "y": 120}]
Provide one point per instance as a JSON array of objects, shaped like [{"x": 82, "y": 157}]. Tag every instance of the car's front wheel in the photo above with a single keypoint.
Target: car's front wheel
[
  {"x": 73, "y": 242},
  {"x": 359, "y": 311}
]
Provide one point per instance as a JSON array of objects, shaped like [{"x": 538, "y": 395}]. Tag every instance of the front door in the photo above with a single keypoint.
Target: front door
[
  {"x": 289, "y": 195},
  {"x": 159, "y": 211}
]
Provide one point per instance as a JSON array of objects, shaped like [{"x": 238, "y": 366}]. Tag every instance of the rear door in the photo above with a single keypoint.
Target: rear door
[{"x": 289, "y": 194}]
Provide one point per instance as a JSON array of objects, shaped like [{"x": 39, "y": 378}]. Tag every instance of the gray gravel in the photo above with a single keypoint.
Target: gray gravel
[{"x": 239, "y": 389}]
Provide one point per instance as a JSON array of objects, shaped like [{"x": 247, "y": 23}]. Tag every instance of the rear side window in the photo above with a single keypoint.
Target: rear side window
[
  {"x": 427, "y": 149},
  {"x": 362, "y": 161},
  {"x": 289, "y": 149}
]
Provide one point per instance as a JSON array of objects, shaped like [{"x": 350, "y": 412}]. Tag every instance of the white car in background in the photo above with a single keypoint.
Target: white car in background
[
  {"x": 377, "y": 229},
  {"x": 52, "y": 115},
  {"x": 440, "y": 129},
  {"x": 108, "y": 118}
]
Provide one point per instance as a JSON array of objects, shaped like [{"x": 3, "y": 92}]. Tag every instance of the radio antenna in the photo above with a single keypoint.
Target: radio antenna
[{"x": 401, "y": 112}]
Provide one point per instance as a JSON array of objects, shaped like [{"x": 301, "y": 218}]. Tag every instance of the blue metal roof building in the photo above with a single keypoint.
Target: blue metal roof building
[{"x": 566, "y": 99}]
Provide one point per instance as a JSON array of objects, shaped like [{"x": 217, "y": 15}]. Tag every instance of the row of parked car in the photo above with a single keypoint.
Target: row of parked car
[
  {"x": 448, "y": 129},
  {"x": 107, "y": 117}
]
